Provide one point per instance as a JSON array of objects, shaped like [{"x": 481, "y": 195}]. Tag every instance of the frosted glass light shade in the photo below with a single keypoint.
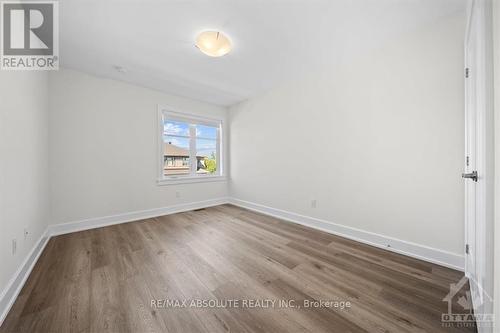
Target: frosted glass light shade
[{"x": 213, "y": 43}]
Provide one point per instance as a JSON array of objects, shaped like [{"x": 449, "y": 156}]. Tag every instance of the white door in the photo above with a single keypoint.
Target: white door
[{"x": 474, "y": 153}]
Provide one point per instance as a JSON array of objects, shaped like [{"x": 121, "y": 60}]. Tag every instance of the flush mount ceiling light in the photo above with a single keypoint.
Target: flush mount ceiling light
[{"x": 213, "y": 43}]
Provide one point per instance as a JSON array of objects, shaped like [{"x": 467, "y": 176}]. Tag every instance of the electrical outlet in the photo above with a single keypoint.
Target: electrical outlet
[
  {"x": 26, "y": 233},
  {"x": 177, "y": 194},
  {"x": 314, "y": 203},
  {"x": 14, "y": 246}
]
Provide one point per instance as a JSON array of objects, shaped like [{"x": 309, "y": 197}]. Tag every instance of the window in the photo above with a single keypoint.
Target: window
[{"x": 190, "y": 148}]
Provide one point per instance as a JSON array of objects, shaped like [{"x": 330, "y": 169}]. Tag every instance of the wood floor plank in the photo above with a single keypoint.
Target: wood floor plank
[{"x": 113, "y": 279}]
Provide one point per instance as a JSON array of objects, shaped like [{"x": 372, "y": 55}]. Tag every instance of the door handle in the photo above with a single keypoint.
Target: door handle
[{"x": 472, "y": 175}]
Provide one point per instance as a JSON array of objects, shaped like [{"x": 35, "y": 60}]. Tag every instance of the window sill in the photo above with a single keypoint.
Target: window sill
[{"x": 190, "y": 180}]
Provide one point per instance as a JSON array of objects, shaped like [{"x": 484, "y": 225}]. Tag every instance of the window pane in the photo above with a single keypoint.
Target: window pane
[
  {"x": 206, "y": 156},
  {"x": 209, "y": 132},
  {"x": 175, "y": 128},
  {"x": 176, "y": 156}
]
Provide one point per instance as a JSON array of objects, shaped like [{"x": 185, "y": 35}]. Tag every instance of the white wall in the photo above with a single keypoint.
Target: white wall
[
  {"x": 23, "y": 167},
  {"x": 103, "y": 141},
  {"x": 376, "y": 139}
]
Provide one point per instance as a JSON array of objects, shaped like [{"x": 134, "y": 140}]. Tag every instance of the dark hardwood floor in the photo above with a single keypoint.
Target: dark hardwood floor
[{"x": 113, "y": 279}]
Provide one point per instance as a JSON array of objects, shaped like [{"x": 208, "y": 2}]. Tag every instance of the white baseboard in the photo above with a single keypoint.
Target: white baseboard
[
  {"x": 64, "y": 228},
  {"x": 414, "y": 250},
  {"x": 16, "y": 283}
]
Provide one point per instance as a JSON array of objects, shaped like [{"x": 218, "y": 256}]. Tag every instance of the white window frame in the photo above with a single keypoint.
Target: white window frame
[{"x": 165, "y": 112}]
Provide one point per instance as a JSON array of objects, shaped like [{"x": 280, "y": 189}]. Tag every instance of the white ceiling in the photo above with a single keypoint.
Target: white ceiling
[{"x": 153, "y": 39}]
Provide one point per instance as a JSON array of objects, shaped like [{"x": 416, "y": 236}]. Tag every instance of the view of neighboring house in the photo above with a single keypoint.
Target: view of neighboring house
[{"x": 176, "y": 161}]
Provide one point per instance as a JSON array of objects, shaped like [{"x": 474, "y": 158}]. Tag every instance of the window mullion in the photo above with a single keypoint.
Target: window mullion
[
  {"x": 218, "y": 151},
  {"x": 192, "y": 149}
]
